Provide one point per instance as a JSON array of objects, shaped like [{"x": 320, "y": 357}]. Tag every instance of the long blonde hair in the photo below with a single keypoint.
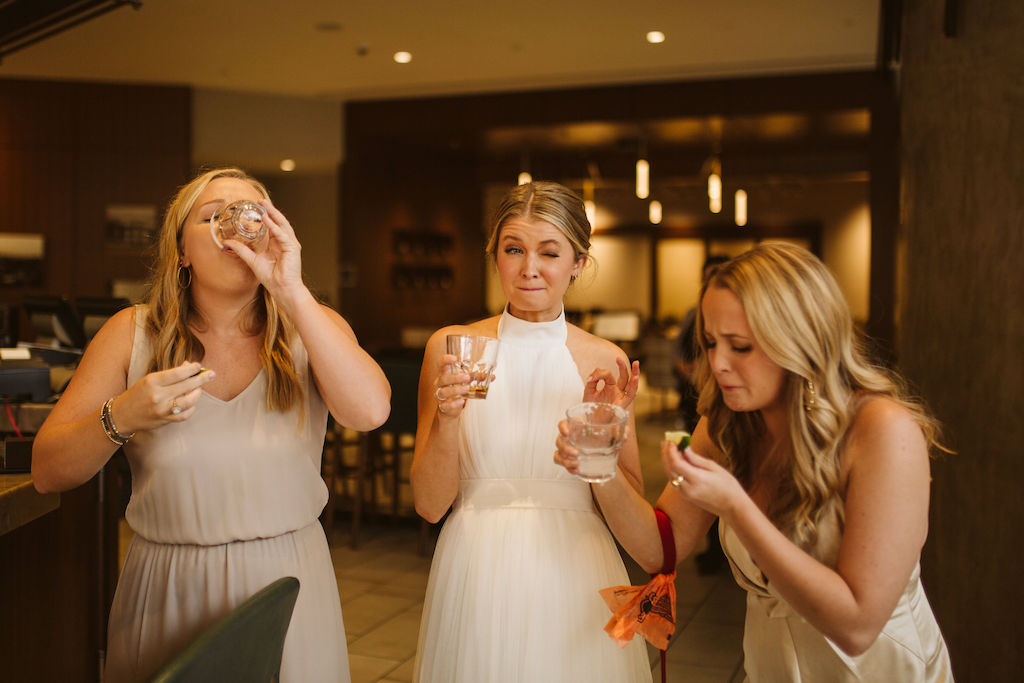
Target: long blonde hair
[
  {"x": 172, "y": 313},
  {"x": 800, "y": 319}
]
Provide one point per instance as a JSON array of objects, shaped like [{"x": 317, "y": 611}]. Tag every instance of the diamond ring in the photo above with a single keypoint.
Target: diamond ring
[
  {"x": 677, "y": 481},
  {"x": 175, "y": 408}
]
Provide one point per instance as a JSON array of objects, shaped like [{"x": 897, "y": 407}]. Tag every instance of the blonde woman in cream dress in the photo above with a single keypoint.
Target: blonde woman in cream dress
[
  {"x": 816, "y": 464},
  {"x": 226, "y": 486},
  {"x": 513, "y": 590}
]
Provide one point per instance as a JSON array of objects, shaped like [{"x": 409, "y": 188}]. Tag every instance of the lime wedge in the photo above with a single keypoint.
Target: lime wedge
[{"x": 679, "y": 437}]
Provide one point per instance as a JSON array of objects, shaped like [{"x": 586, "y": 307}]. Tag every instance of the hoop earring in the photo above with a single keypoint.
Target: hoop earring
[
  {"x": 811, "y": 396},
  {"x": 188, "y": 277},
  {"x": 572, "y": 278}
]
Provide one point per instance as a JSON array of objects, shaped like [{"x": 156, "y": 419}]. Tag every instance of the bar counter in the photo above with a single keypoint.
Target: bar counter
[
  {"x": 58, "y": 567},
  {"x": 20, "y": 503}
]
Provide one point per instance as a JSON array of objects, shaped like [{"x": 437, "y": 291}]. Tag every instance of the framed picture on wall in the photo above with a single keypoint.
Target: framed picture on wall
[
  {"x": 131, "y": 224},
  {"x": 21, "y": 259}
]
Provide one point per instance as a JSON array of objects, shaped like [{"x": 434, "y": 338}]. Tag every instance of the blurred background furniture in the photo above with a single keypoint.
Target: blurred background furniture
[
  {"x": 621, "y": 326},
  {"x": 95, "y": 310},
  {"x": 370, "y": 471},
  {"x": 656, "y": 360},
  {"x": 244, "y": 645}
]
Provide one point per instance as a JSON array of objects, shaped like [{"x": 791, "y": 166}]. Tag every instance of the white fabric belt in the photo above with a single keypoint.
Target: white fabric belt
[{"x": 554, "y": 494}]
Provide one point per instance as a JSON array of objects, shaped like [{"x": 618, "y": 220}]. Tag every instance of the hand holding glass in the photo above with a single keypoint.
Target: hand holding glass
[
  {"x": 597, "y": 430},
  {"x": 477, "y": 357}
]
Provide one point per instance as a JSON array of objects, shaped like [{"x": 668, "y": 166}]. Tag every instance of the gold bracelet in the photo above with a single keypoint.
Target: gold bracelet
[{"x": 107, "y": 422}]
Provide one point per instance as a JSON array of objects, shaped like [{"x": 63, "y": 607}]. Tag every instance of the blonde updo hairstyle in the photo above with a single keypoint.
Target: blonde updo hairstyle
[
  {"x": 801, "y": 320},
  {"x": 545, "y": 201},
  {"x": 172, "y": 314}
]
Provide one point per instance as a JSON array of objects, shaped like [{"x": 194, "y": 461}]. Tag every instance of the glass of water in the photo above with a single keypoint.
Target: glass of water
[{"x": 597, "y": 430}]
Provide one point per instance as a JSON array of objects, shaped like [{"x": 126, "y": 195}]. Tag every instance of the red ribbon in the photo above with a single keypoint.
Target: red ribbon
[{"x": 649, "y": 610}]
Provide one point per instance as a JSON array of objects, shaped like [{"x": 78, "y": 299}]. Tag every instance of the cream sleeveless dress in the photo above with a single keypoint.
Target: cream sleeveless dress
[
  {"x": 222, "y": 505},
  {"x": 779, "y": 645},
  {"x": 513, "y": 590}
]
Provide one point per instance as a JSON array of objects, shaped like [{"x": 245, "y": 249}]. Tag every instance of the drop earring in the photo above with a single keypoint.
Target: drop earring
[{"x": 810, "y": 395}]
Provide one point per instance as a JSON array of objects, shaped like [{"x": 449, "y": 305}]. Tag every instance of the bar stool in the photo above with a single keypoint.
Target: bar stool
[{"x": 362, "y": 466}]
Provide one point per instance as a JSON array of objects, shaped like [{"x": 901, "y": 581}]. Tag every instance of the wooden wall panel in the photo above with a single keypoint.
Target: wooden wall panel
[
  {"x": 67, "y": 150},
  {"x": 394, "y": 198},
  {"x": 962, "y": 321}
]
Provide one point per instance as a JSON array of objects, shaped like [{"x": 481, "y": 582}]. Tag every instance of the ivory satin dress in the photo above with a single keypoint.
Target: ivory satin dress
[
  {"x": 513, "y": 589},
  {"x": 780, "y": 646},
  {"x": 222, "y": 505}
]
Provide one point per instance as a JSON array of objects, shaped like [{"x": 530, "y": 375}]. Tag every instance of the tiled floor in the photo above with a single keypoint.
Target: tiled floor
[
  {"x": 382, "y": 585},
  {"x": 383, "y": 581}
]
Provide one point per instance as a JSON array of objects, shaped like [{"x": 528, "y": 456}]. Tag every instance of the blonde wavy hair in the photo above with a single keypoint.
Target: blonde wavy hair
[
  {"x": 800, "y": 319},
  {"x": 172, "y": 314}
]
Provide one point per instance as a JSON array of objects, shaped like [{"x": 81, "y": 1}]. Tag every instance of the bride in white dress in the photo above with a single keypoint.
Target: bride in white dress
[{"x": 513, "y": 590}]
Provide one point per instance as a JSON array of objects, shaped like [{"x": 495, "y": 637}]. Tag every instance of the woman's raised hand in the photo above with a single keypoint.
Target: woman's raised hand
[
  {"x": 279, "y": 267},
  {"x": 603, "y": 387},
  {"x": 160, "y": 398},
  {"x": 450, "y": 388}
]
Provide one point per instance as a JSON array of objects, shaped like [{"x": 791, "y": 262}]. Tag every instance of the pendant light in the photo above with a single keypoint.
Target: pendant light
[
  {"x": 654, "y": 212},
  {"x": 715, "y": 186},
  {"x": 643, "y": 173},
  {"x": 741, "y": 208}
]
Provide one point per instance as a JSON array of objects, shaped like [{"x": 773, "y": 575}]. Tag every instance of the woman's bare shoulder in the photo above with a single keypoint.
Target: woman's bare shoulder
[
  {"x": 118, "y": 332},
  {"x": 597, "y": 350},
  {"x": 882, "y": 427}
]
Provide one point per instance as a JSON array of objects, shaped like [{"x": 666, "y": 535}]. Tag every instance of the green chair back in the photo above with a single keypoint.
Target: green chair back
[{"x": 244, "y": 646}]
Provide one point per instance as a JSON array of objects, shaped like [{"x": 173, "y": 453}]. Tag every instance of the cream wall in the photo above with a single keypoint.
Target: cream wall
[
  {"x": 846, "y": 249},
  {"x": 680, "y": 262},
  {"x": 618, "y": 278},
  {"x": 261, "y": 130}
]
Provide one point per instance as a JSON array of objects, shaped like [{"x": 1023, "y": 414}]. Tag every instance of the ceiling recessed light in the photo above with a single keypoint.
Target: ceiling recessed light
[
  {"x": 403, "y": 57},
  {"x": 655, "y": 37},
  {"x": 287, "y": 165}
]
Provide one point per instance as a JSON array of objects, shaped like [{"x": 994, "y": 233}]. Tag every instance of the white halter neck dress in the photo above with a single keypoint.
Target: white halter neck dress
[{"x": 513, "y": 590}]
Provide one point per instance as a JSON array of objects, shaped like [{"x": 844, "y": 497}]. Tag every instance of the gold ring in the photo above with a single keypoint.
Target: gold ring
[
  {"x": 175, "y": 408},
  {"x": 437, "y": 394}
]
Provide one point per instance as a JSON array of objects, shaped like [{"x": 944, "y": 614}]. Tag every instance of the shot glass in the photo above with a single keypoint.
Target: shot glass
[
  {"x": 476, "y": 356},
  {"x": 597, "y": 430},
  {"x": 242, "y": 221}
]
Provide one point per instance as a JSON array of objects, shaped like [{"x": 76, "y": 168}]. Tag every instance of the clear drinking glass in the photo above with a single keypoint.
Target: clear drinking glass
[
  {"x": 597, "y": 430},
  {"x": 242, "y": 221},
  {"x": 476, "y": 356}
]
